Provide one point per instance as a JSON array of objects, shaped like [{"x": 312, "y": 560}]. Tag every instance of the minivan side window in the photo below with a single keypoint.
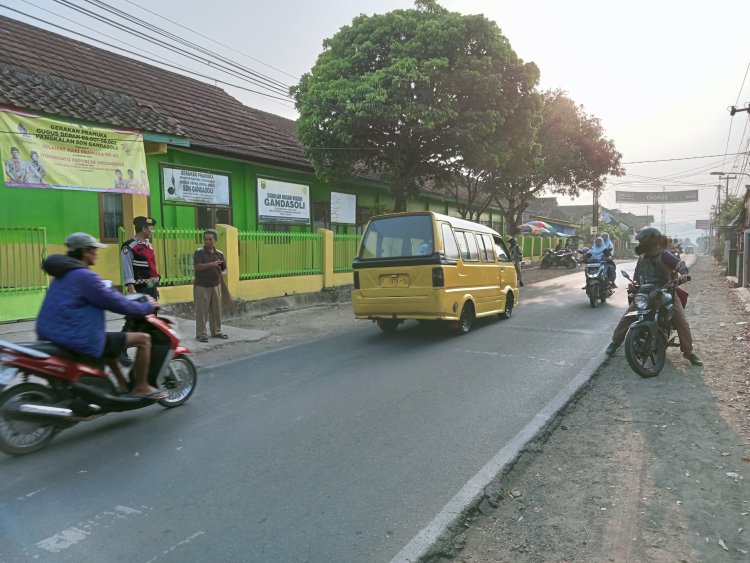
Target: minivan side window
[
  {"x": 468, "y": 246},
  {"x": 502, "y": 255},
  {"x": 449, "y": 242},
  {"x": 486, "y": 248}
]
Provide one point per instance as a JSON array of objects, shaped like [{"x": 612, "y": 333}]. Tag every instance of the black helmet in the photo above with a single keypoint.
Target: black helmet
[{"x": 648, "y": 236}]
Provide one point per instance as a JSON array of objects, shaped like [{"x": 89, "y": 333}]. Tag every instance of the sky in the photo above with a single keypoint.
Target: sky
[{"x": 660, "y": 75}]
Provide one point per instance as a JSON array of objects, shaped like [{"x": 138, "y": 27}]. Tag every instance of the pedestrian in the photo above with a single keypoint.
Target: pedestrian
[
  {"x": 210, "y": 269},
  {"x": 516, "y": 254},
  {"x": 139, "y": 266},
  {"x": 655, "y": 263}
]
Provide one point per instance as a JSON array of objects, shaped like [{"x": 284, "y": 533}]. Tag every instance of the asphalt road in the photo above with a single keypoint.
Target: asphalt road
[{"x": 342, "y": 449}]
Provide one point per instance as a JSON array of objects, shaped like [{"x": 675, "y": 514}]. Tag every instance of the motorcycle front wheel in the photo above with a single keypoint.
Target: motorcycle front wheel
[
  {"x": 179, "y": 381},
  {"x": 18, "y": 437},
  {"x": 545, "y": 263},
  {"x": 642, "y": 359},
  {"x": 593, "y": 297}
]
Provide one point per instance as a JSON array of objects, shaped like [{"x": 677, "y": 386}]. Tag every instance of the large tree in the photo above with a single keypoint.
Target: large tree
[
  {"x": 411, "y": 94},
  {"x": 575, "y": 157}
]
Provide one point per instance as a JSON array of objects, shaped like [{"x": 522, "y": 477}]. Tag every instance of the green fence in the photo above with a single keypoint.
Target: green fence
[
  {"x": 22, "y": 250},
  {"x": 270, "y": 255},
  {"x": 345, "y": 248},
  {"x": 174, "y": 249}
]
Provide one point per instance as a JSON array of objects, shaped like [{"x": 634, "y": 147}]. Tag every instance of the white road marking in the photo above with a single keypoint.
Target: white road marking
[
  {"x": 186, "y": 541},
  {"x": 76, "y": 534}
]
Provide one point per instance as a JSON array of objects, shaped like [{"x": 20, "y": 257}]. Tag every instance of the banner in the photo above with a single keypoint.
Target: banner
[
  {"x": 343, "y": 208},
  {"x": 656, "y": 197},
  {"x": 703, "y": 224},
  {"x": 283, "y": 202},
  {"x": 39, "y": 152},
  {"x": 195, "y": 186}
]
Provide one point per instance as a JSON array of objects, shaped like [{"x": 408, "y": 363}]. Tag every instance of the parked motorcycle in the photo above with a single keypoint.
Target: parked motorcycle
[
  {"x": 46, "y": 388},
  {"x": 564, "y": 257},
  {"x": 598, "y": 285},
  {"x": 648, "y": 337}
]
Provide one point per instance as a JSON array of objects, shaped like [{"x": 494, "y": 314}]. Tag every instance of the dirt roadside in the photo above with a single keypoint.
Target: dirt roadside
[{"x": 636, "y": 469}]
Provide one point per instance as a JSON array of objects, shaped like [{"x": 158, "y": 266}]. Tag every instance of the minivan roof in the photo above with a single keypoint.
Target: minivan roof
[{"x": 456, "y": 222}]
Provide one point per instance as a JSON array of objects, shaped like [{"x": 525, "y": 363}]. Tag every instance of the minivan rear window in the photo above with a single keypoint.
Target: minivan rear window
[{"x": 398, "y": 237}]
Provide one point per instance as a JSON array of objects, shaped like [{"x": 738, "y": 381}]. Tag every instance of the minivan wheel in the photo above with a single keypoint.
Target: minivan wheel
[
  {"x": 509, "y": 302},
  {"x": 467, "y": 318}
]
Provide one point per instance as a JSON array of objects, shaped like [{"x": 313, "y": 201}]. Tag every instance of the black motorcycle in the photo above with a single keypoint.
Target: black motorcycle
[
  {"x": 598, "y": 285},
  {"x": 648, "y": 337},
  {"x": 557, "y": 258}
]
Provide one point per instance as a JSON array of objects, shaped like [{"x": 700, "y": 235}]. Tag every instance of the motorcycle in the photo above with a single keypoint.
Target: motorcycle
[
  {"x": 564, "y": 257},
  {"x": 46, "y": 388},
  {"x": 598, "y": 285},
  {"x": 649, "y": 335}
]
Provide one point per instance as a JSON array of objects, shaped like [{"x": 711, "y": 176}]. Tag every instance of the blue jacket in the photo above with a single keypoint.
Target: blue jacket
[{"x": 72, "y": 314}]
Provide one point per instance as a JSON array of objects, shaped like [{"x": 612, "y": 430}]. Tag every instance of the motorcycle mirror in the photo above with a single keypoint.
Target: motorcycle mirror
[
  {"x": 107, "y": 283},
  {"x": 625, "y": 275}
]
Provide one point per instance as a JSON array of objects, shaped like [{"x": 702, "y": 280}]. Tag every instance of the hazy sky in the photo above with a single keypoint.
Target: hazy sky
[{"x": 659, "y": 75}]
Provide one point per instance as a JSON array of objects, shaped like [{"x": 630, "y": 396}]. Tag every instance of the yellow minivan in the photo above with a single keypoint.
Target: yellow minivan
[{"x": 428, "y": 266}]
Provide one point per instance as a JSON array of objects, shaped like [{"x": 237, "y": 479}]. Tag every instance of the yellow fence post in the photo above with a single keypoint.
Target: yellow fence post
[
  {"x": 229, "y": 244},
  {"x": 328, "y": 257}
]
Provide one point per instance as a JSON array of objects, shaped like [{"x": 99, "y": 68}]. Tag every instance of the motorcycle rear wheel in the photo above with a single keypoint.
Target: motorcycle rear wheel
[
  {"x": 18, "y": 437},
  {"x": 545, "y": 263},
  {"x": 642, "y": 359},
  {"x": 179, "y": 381}
]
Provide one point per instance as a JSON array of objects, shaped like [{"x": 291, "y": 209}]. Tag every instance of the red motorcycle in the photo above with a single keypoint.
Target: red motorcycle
[{"x": 46, "y": 388}]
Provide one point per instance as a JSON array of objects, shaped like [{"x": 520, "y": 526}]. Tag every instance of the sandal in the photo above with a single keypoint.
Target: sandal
[
  {"x": 220, "y": 335},
  {"x": 202, "y": 339}
]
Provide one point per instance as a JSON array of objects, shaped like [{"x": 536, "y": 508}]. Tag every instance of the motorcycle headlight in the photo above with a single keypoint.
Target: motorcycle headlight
[{"x": 640, "y": 301}]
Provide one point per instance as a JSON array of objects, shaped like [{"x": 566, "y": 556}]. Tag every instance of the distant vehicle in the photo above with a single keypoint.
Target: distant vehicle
[{"x": 432, "y": 267}]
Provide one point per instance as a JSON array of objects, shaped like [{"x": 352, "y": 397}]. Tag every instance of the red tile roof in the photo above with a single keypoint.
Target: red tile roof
[{"x": 211, "y": 118}]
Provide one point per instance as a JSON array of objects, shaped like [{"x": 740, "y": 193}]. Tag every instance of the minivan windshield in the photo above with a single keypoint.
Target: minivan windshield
[{"x": 398, "y": 237}]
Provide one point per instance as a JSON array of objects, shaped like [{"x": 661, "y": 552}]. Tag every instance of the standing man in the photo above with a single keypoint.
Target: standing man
[
  {"x": 139, "y": 265},
  {"x": 516, "y": 254},
  {"x": 210, "y": 267}
]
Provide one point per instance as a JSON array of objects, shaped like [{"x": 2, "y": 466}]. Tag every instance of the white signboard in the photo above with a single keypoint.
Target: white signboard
[
  {"x": 195, "y": 186},
  {"x": 283, "y": 202},
  {"x": 343, "y": 208}
]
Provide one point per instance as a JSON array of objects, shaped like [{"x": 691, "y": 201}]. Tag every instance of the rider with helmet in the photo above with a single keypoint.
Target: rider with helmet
[{"x": 655, "y": 265}]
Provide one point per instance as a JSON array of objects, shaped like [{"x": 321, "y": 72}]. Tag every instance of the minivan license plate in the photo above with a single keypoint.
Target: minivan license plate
[{"x": 394, "y": 280}]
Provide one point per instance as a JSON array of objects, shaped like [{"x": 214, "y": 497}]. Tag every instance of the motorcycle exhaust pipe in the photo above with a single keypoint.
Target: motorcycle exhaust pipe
[{"x": 25, "y": 411}]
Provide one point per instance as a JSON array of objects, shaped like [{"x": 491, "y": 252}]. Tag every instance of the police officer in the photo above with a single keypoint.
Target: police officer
[{"x": 139, "y": 265}]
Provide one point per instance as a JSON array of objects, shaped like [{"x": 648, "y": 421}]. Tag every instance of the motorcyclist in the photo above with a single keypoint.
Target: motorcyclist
[
  {"x": 600, "y": 253},
  {"x": 655, "y": 264},
  {"x": 72, "y": 314}
]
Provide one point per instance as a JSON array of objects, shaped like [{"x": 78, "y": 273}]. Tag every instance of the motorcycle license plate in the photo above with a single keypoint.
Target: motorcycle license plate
[{"x": 7, "y": 374}]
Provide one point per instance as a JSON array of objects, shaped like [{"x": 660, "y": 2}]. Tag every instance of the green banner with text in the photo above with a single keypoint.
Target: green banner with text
[{"x": 39, "y": 152}]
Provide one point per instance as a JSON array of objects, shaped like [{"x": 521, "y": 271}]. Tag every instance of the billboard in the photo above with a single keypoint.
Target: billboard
[
  {"x": 195, "y": 186},
  {"x": 703, "y": 224},
  {"x": 39, "y": 152},
  {"x": 682, "y": 196},
  {"x": 283, "y": 202}
]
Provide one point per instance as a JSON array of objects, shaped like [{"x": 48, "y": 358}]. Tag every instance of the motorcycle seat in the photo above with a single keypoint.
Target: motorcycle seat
[{"x": 53, "y": 349}]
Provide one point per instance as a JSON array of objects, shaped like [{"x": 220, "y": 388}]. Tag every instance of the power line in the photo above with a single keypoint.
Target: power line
[{"x": 683, "y": 158}]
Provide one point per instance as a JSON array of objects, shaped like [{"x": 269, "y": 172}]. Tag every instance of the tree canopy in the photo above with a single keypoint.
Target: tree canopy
[
  {"x": 414, "y": 95},
  {"x": 574, "y": 157}
]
